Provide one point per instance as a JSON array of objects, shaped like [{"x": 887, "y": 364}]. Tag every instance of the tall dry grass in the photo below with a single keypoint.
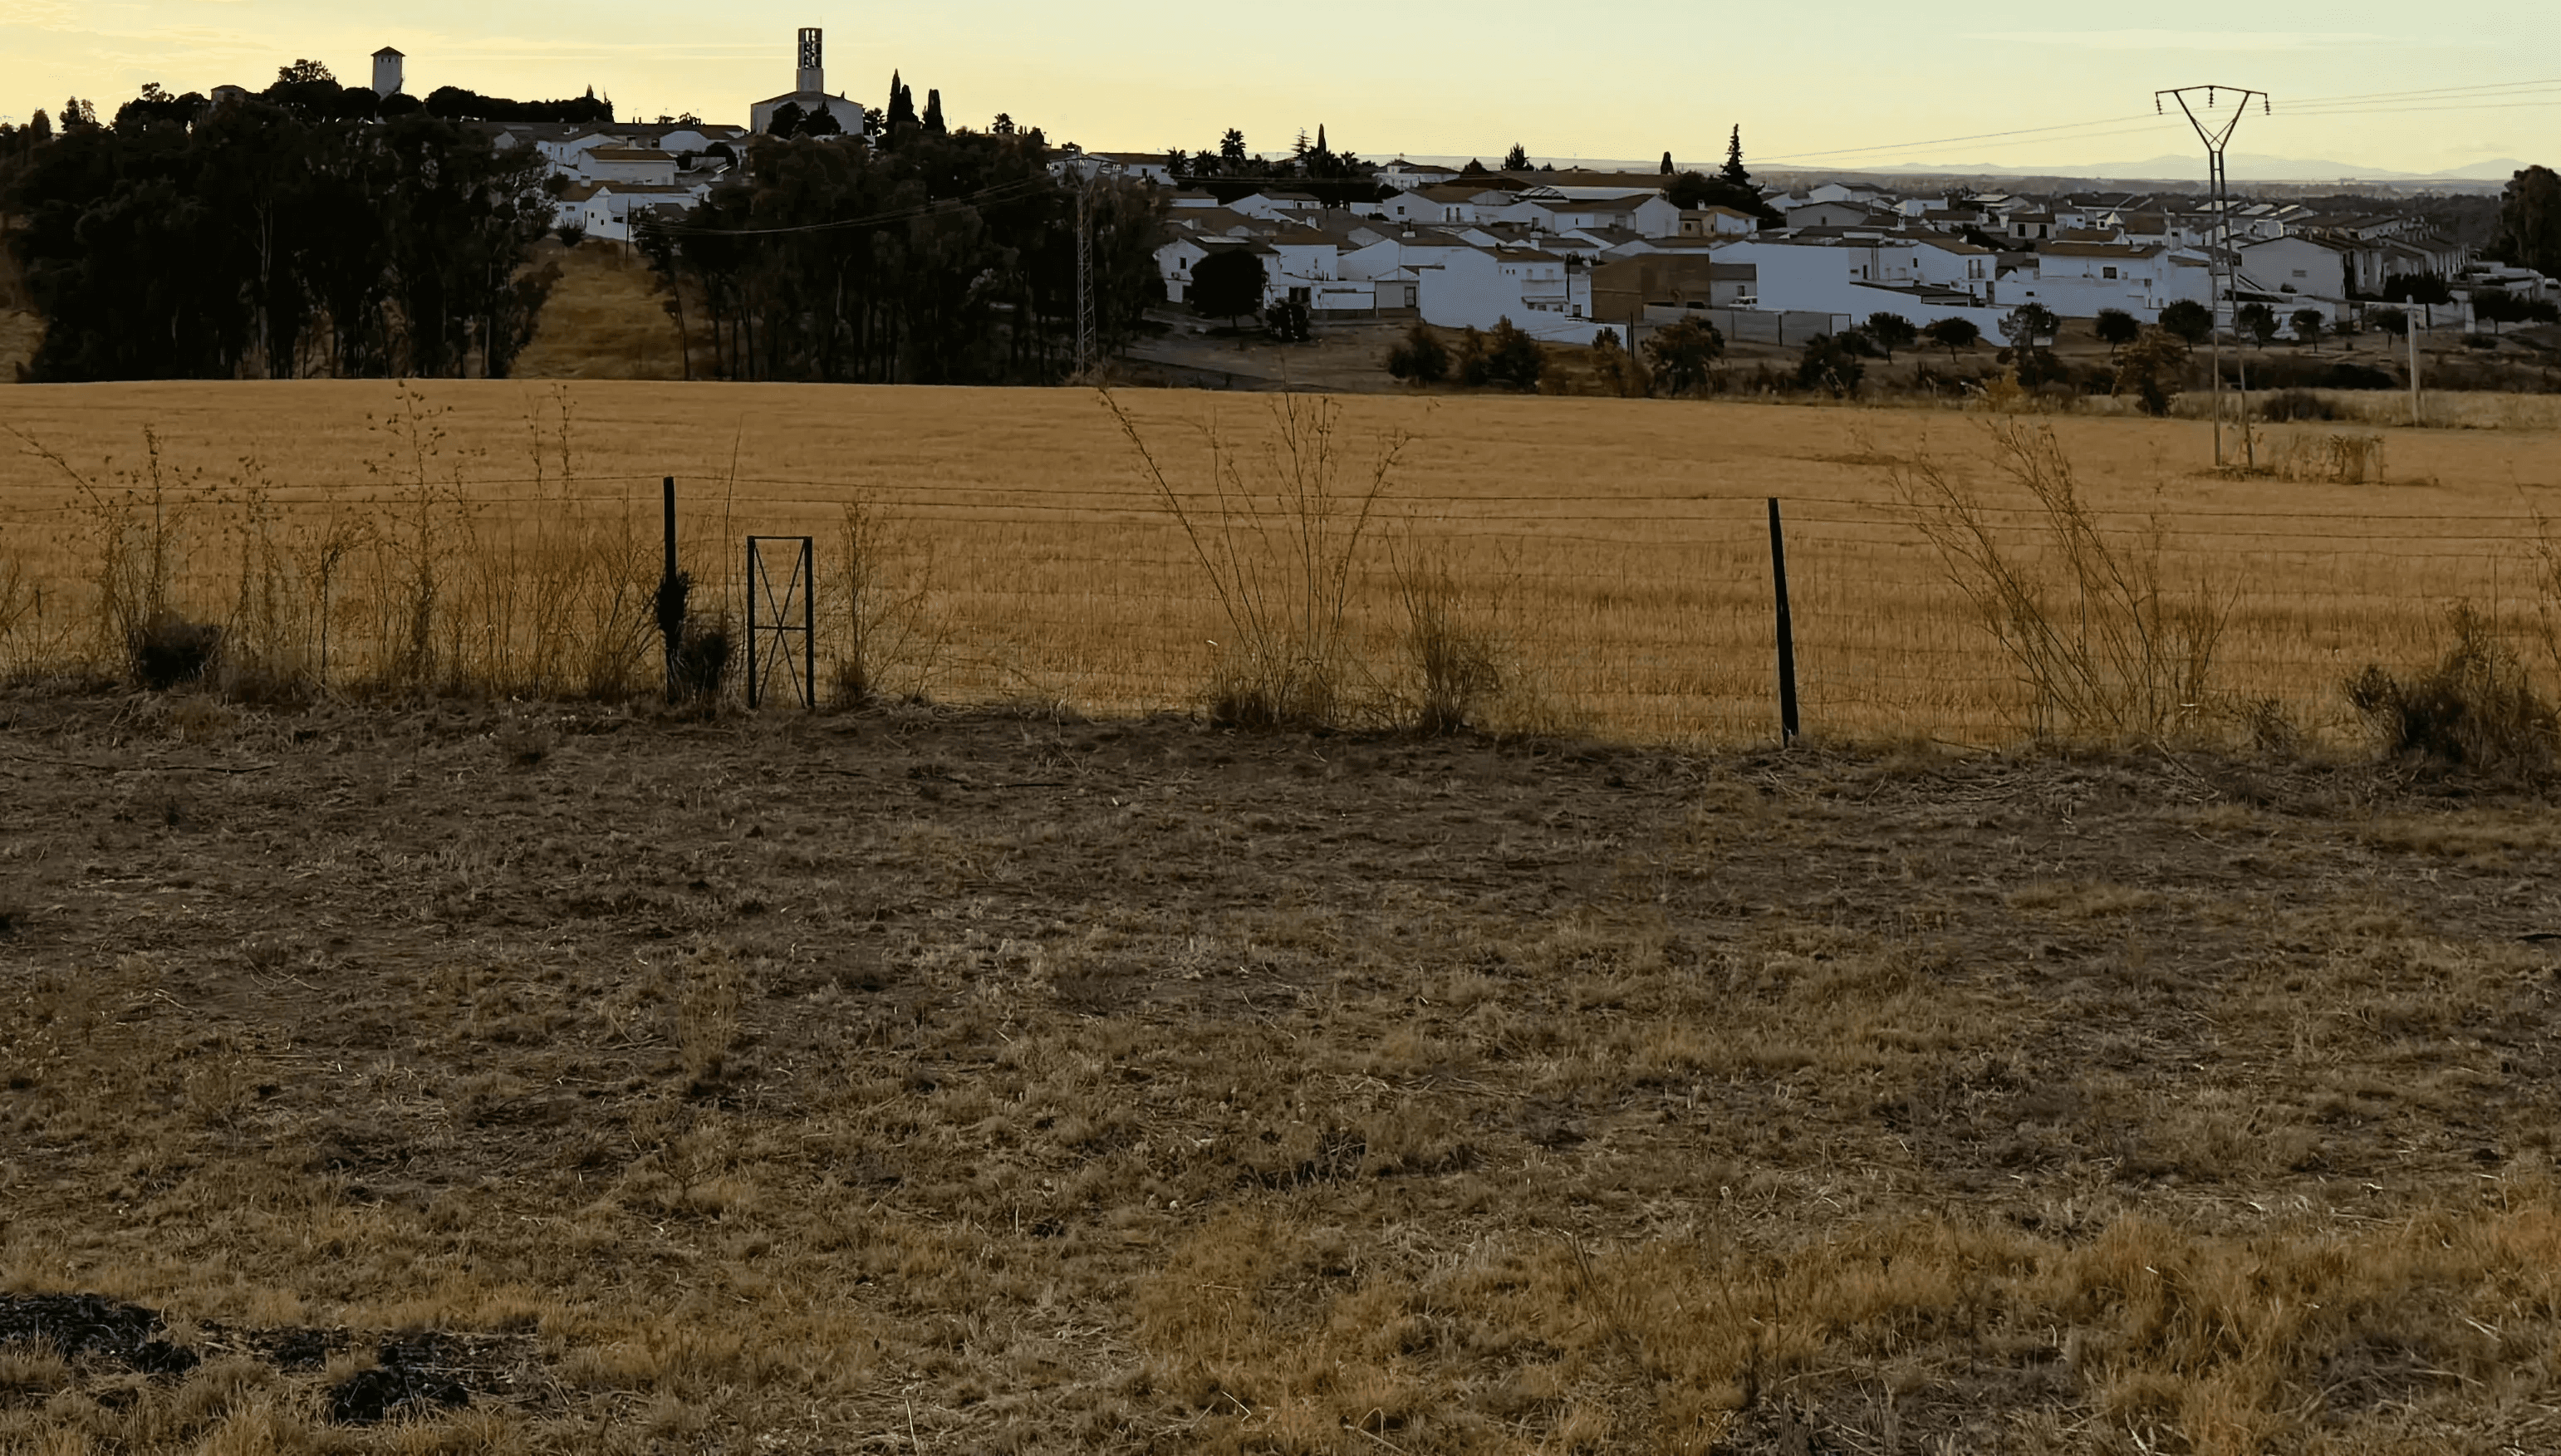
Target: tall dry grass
[
  {"x": 1611, "y": 553},
  {"x": 2106, "y": 640}
]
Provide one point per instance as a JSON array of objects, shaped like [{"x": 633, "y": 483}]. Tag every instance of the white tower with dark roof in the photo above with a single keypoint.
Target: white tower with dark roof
[
  {"x": 813, "y": 69},
  {"x": 387, "y": 71}
]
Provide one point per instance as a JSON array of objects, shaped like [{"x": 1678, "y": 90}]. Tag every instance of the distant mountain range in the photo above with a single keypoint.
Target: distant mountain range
[{"x": 2241, "y": 167}]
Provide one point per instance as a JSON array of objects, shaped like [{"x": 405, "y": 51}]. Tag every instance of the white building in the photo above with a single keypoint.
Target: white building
[{"x": 810, "y": 93}]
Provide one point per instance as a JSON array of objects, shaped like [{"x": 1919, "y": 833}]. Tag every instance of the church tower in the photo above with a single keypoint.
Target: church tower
[{"x": 813, "y": 70}]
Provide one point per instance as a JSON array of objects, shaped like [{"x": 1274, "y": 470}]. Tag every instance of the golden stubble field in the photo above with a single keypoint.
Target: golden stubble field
[{"x": 1615, "y": 553}]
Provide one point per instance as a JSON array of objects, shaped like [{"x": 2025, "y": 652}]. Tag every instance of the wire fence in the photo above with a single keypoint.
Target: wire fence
[{"x": 1646, "y": 616}]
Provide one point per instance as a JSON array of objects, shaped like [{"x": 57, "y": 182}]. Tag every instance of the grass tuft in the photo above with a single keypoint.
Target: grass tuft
[{"x": 2474, "y": 708}]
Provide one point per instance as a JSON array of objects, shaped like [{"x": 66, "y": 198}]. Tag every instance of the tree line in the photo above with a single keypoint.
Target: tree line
[
  {"x": 936, "y": 257},
  {"x": 276, "y": 237}
]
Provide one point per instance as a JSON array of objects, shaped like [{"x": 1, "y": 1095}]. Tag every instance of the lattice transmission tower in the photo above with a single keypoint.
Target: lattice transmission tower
[{"x": 2216, "y": 133}]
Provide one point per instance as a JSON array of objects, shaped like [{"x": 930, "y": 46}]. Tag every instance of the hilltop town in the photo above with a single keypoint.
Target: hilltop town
[{"x": 1324, "y": 239}]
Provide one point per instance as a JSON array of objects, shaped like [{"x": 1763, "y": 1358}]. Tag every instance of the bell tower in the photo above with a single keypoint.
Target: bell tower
[{"x": 813, "y": 72}]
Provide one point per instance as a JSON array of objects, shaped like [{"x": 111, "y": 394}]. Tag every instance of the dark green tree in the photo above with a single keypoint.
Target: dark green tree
[
  {"x": 1733, "y": 172},
  {"x": 1228, "y": 285},
  {"x": 2189, "y": 320},
  {"x": 1505, "y": 356},
  {"x": 901, "y": 106},
  {"x": 1830, "y": 366},
  {"x": 1668, "y": 164},
  {"x": 1231, "y": 150},
  {"x": 2391, "y": 321},
  {"x": 1691, "y": 191},
  {"x": 786, "y": 120},
  {"x": 1420, "y": 357},
  {"x": 2309, "y": 323},
  {"x": 1952, "y": 334},
  {"x": 1891, "y": 331},
  {"x": 2257, "y": 321},
  {"x": 2496, "y": 306},
  {"x": 1517, "y": 159},
  {"x": 2529, "y": 221},
  {"x": 2029, "y": 324},
  {"x": 2152, "y": 367},
  {"x": 1684, "y": 355},
  {"x": 2116, "y": 328},
  {"x": 932, "y": 120}
]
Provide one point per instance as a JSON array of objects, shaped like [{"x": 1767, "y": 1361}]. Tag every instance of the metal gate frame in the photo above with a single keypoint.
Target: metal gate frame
[{"x": 802, "y": 584}]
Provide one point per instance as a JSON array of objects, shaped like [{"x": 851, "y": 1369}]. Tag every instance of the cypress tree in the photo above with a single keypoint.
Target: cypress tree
[
  {"x": 933, "y": 110},
  {"x": 1734, "y": 170}
]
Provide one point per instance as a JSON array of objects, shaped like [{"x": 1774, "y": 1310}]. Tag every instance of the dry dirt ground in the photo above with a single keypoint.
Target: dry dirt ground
[{"x": 507, "y": 1077}]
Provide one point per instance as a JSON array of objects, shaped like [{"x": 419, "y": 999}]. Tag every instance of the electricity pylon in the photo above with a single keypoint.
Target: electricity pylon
[
  {"x": 2216, "y": 134},
  {"x": 1084, "y": 277}
]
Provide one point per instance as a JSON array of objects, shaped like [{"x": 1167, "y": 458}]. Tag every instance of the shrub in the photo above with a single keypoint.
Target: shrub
[
  {"x": 170, "y": 650},
  {"x": 1513, "y": 358},
  {"x": 703, "y": 658},
  {"x": 2189, "y": 320},
  {"x": 2116, "y": 328},
  {"x": 1420, "y": 357},
  {"x": 2153, "y": 369},
  {"x": 1617, "y": 371},
  {"x": 2291, "y": 405},
  {"x": 1684, "y": 353},
  {"x": 1952, "y": 334},
  {"x": 1829, "y": 365},
  {"x": 1289, "y": 322},
  {"x": 2106, "y": 642},
  {"x": 2474, "y": 708}
]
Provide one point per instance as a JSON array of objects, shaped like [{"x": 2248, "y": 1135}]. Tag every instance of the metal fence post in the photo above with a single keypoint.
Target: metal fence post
[{"x": 1786, "y": 630}]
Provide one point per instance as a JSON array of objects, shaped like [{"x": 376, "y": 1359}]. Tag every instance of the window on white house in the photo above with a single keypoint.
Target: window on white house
[{"x": 2110, "y": 272}]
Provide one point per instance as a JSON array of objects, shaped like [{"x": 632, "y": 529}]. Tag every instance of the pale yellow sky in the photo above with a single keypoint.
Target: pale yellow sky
[{"x": 2356, "y": 83}]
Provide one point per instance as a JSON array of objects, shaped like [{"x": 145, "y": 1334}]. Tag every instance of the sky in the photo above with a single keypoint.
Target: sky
[{"x": 1837, "y": 85}]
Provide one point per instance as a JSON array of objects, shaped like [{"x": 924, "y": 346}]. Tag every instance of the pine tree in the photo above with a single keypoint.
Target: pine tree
[
  {"x": 1668, "y": 164},
  {"x": 901, "y": 106},
  {"x": 1734, "y": 170},
  {"x": 933, "y": 110},
  {"x": 1321, "y": 149}
]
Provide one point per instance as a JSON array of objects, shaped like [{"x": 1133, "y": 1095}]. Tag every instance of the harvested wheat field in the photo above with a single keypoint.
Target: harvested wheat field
[
  {"x": 1608, "y": 561},
  {"x": 471, "y": 1078}
]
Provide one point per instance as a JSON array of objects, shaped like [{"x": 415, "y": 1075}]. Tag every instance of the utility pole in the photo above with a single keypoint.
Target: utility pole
[
  {"x": 2216, "y": 133},
  {"x": 1085, "y": 275}
]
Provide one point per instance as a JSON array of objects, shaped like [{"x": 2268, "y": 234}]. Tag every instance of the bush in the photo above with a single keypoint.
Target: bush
[
  {"x": 1419, "y": 358},
  {"x": 1829, "y": 365},
  {"x": 1952, "y": 334},
  {"x": 1683, "y": 355},
  {"x": 2189, "y": 320},
  {"x": 2473, "y": 710},
  {"x": 1289, "y": 322},
  {"x": 170, "y": 650},
  {"x": 1617, "y": 371},
  {"x": 2153, "y": 369},
  {"x": 703, "y": 658},
  {"x": 1505, "y": 357},
  {"x": 2291, "y": 404},
  {"x": 572, "y": 235}
]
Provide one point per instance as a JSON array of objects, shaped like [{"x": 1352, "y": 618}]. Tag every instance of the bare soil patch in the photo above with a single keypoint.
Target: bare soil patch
[{"x": 539, "y": 1078}]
